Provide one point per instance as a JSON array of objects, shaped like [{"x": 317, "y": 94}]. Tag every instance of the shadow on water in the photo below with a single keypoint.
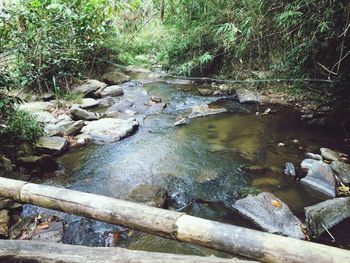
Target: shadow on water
[{"x": 211, "y": 160}]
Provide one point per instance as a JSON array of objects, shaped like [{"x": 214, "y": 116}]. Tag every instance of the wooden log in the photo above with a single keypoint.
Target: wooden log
[
  {"x": 31, "y": 251},
  {"x": 241, "y": 241}
]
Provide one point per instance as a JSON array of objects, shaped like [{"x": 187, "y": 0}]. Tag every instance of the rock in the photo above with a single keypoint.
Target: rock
[
  {"x": 179, "y": 81},
  {"x": 109, "y": 130},
  {"x": 154, "y": 75},
  {"x": 90, "y": 86},
  {"x": 314, "y": 156},
  {"x": 58, "y": 128},
  {"x": 267, "y": 111},
  {"x": 15, "y": 175},
  {"x": 48, "y": 96},
  {"x": 5, "y": 163},
  {"x": 156, "y": 99},
  {"x": 329, "y": 213},
  {"x": 88, "y": 103},
  {"x": 115, "y": 78},
  {"x": 319, "y": 176},
  {"x": 289, "y": 169},
  {"x": 281, "y": 144},
  {"x": 271, "y": 214},
  {"x": 329, "y": 154},
  {"x": 36, "y": 106},
  {"x": 25, "y": 149},
  {"x": 204, "y": 110},
  {"x": 4, "y": 223},
  {"x": 81, "y": 142},
  {"x": 81, "y": 114},
  {"x": 156, "y": 108},
  {"x": 180, "y": 121},
  {"x": 44, "y": 117},
  {"x": 342, "y": 170},
  {"x": 205, "y": 92},
  {"x": 53, "y": 234},
  {"x": 207, "y": 175},
  {"x": 106, "y": 102},
  {"x": 24, "y": 224},
  {"x": 52, "y": 145},
  {"x": 74, "y": 128},
  {"x": 225, "y": 88},
  {"x": 44, "y": 163},
  {"x": 112, "y": 91},
  {"x": 247, "y": 96},
  {"x": 151, "y": 195}
]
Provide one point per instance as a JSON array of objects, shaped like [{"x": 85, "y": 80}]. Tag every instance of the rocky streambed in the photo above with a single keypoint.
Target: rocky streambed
[{"x": 209, "y": 151}]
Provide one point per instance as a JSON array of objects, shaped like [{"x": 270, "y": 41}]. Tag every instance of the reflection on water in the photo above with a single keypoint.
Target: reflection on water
[{"x": 204, "y": 160}]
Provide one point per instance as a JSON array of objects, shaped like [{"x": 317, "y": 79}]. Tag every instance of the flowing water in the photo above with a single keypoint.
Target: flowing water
[{"x": 213, "y": 160}]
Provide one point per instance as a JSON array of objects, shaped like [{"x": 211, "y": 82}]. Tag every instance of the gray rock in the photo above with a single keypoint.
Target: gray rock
[
  {"x": 112, "y": 91},
  {"x": 329, "y": 213},
  {"x": 90, "y": 86},
  {"x": 289, "y": 169},
  {"x": 151, "y": 195},
  {"x": 52, "y": 145},
  {"x": 247, "y": 96},
  {"x": 81, "y": 114},
  {"x": 44, "y": 117},
  {"x": 53, "y": 234},
  {"x": 58, "y": 128},
  {"x": 329, "y": 154},
  {"x": 108, "y": 129},
  {"x": 204, "y": 110},
  {"x": 314, "y": 156},
  {"x": 342, "y": 170},
  {"x": 88, "y": 103},
  {"x": 36, "y": 106},
  {"x": 274, "y": 219},
  {"x": 205, "y": 92},
  {"x": 115, "y": 78},
  {"x": 319, "y": 176},
  {"x": 106, "y": 102},
  {"x": 74, "y": 128}
]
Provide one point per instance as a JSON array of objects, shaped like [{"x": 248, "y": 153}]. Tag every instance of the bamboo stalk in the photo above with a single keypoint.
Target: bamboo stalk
[{"x": 236, "y": 240}]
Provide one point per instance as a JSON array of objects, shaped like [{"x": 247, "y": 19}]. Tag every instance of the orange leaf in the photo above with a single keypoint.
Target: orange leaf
[
  {"x": 43, "y": 225},
  {"x": 276, "y": 203}
]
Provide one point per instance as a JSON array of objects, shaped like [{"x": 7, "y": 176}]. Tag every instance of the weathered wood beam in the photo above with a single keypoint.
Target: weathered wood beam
[{"x": 236, "y": 240}]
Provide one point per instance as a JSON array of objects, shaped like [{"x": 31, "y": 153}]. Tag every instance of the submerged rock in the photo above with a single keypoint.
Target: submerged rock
[
  {"x": 328, "y": 213},
  {"x": 289, "y": 169},
  {"x": 115, "y": 78},
  {"x": 342, "y": 170},
  {"x": 81, "y": 114},
  {"x": 204, "y": 110},
  {"x": 52, "y": 145},
  {"x": 90, "y": 86},
  {"x": 319, "y": 176},
  {"x": 112, "y": 91},
  {"x": 271, "y": 214},
  {"x": 151, "y": 195},
  {"x": 109, "y": 130},
  {"x": 247, "y": 96}
]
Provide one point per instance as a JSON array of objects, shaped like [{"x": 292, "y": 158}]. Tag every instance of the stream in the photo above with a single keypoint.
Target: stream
[{"x": 207, "y": 164}]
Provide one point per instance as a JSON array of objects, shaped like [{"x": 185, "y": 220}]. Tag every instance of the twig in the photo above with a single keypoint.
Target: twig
[{"x": 329, "y": 233}]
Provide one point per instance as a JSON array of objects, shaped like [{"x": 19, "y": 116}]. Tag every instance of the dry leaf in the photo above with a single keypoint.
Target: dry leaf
[
  {"x": 276, "y": 203},
  {"x": 43, "y": 225}
]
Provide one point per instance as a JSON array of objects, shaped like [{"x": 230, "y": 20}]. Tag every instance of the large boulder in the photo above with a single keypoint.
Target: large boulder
[
  {"x": 342, "y": 170},
  {"x": 247, "y": 96},
  {"x": 319, "y": 176},
  {"x": 271, "y": 214},
  {"x": 327, "y": 214},
  {"x": 151, "y": 195},
  {"x": 112, "y": 91},
  {"x": 90, "y": 86},
  {"x": 52, "y": 145},
  {"x": 115, "y": 78},
  {"x": 108, "y": 129},
  {"x": 81, "y": 114},
  {"x": 204, "y": 110}
]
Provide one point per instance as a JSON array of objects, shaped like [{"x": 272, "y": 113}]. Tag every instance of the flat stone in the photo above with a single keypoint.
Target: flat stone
[
  {"x": 342, "y": 170},
  {"x": 36, "y": 106},
  {"x": 53, "y": 234},
  {"x": 88, "y": 103},
  {"x": 151, "y": 195},
  {"x": 81, "y": 114},
  {"x": 109, "y": 130},
  {"x": 115, "y": 78},
  {"x": 44, "y": 117},
  {"x": 74, "y": 128},
  {"x": 329, "y": 154},
  {"x": 90, "y": 86},
  {"x": 112, "y": 91},
  {"x": 205, "y": 92},
  {"x": 58, "y": 128},
  {"x": 52, "y": 145},
  {"x": 204, "y": 110},
  {"x": 329, "y": 213},
  {"x": 314, "y": 156},
  {"x": 247, "y": 96},
  {"x": 271, "y": 218},
  {"x": 319, "y": 176}
]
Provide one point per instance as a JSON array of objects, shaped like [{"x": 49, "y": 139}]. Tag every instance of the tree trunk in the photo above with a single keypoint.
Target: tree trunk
[{"x": 241, "y": 241}]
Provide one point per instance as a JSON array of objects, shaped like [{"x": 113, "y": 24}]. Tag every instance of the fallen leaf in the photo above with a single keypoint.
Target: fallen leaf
[
  {"x": 276, "y": 203},
  {"x": 43, "y": 225}
]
